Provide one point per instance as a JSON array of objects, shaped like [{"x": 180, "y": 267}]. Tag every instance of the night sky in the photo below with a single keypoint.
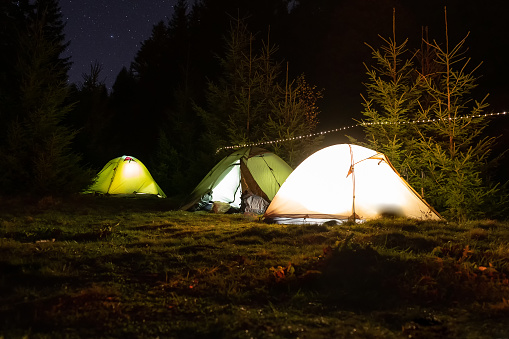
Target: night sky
[{"x": 110, "y": 32}]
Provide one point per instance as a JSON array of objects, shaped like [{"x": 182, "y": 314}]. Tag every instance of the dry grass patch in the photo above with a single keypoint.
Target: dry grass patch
[{"x": 87, "y": 267}]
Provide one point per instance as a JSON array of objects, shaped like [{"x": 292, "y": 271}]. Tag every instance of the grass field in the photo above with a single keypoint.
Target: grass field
[{"x": 95, "y": 267}]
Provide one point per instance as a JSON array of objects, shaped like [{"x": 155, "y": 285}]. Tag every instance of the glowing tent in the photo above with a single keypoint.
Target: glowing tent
[
  {"x": 125, "y": 175},
  {"x": 346, "y": 182},
  {"x": 250, "y": 169}
]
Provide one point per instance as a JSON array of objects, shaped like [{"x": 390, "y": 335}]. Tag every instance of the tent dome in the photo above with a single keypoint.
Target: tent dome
[
  {"x": 346, "y": 182},
  {"x": 251, "y": 169},
  {"x": 125, "y": 175}
]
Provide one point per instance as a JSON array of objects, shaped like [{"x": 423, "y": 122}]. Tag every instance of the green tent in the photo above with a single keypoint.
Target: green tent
[
  {"x": 125, "y": 175},
  {"x": 249, "y": 169}
]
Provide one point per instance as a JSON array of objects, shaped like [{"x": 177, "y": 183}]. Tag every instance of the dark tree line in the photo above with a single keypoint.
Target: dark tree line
[
  {"x": 157, "y": 108},
  {"x": 35, "y": 147},
  {"x": 154, "y": 110},
  {"x": 217, "y": 73}
]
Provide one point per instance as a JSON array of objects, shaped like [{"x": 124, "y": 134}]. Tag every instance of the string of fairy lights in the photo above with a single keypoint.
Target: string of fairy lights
[{"x": 423, "y": 121}]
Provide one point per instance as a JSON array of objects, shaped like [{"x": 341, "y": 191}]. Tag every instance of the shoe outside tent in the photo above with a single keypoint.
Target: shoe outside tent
[
  {"x": 250, "y": 171},
  {"x": 346, "y": 182},
  {"x": 125, "y": 176}
]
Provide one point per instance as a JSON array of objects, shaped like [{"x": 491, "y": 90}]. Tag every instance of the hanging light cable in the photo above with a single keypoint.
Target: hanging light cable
[{"x": 260, "y": 143}]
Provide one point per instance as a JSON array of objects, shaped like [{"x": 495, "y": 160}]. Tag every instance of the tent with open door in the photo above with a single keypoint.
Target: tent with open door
[
  {"x": 249, "y": 170},
  {"x": 346, "y": 182},
  {"x": 125, "y": 175}
]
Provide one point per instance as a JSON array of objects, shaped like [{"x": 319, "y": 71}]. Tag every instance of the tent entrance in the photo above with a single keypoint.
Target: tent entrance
[{"x": 228, "y": 189}]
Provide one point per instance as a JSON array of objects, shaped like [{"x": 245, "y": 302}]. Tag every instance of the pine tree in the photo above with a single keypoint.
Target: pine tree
[
  {"x": 92, "y": 116},
  {"x": 445, "y": 158},
  {"x": 453, "y": 146},
  {"x": 124, "y": 103},
  {"x": 12, "y": 18},
  {"x": 38, "y": 156},
  {"x": 166, "y": 64},
  {"x": 294, "y": 117},
  {"x": 249, "y": 103},
  {"x": 239, "y": 101},
  {"x": 391, "y": 102}
]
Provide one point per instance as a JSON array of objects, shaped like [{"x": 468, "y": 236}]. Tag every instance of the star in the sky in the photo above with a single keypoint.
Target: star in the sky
[{"x": 89, "y": 20}]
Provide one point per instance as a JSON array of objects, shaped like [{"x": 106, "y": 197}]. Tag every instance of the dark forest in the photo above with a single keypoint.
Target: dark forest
[{"x": 184, "y": 95}]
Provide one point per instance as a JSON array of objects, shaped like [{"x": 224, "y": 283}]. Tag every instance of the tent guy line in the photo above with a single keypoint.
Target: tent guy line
[{"x": 359, "y": 124}]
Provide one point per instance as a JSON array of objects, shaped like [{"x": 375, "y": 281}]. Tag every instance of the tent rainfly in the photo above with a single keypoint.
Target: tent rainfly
[
  {"x": 346, "y": 182},
  {"x": 249, "y": 169},
  {"x": 125, "y": 176}
]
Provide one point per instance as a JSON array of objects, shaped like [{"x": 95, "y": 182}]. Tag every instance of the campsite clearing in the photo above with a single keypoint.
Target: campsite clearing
[{"x": 97, "y": 267}]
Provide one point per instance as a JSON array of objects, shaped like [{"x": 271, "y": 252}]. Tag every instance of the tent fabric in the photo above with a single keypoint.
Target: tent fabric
[
  {"x": 125, "y": 175},
  {"x": 346, "y": 182},
  {"x": 249, "y": 169}
]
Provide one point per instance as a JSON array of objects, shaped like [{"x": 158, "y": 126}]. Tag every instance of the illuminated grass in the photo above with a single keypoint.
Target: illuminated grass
[{"x": 97, "y": 267}]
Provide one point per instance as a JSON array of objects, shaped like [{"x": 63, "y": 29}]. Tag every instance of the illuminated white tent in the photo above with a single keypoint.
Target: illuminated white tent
[{"x": 346, "y": 182}]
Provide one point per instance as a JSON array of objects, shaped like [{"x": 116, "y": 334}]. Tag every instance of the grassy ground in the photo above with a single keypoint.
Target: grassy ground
[{"x": 93, "y": 267}]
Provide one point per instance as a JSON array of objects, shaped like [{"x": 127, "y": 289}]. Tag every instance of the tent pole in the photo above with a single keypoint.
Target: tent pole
[
  {"x": 353, "y": 181},
  {"x": 114, "y": 173}
]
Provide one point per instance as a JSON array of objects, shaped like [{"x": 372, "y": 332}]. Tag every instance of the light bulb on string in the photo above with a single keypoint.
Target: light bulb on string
[{"x": 357, "y": 125}]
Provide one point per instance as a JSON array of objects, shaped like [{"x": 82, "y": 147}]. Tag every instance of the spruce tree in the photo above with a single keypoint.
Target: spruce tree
[
  {"x": 12, "y": 19},
  {"x": 235, "y": 100},
  {"x": 166, "y": 64},
  {"x": 443, "y": 159},
  {"x": 92, "y": 117},
  {"x": 391, "y": 102},
  {"x": 294, "y": 117},
  {"x": 37, "y": 154},
  {"x": 250, "y": 103},
  {"x": 453, "y": 145}
]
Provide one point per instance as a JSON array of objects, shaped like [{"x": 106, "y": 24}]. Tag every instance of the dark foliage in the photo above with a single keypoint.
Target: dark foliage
[
  {"x": 37, "y": 147},
  {"x": 151, "y": 111}
]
